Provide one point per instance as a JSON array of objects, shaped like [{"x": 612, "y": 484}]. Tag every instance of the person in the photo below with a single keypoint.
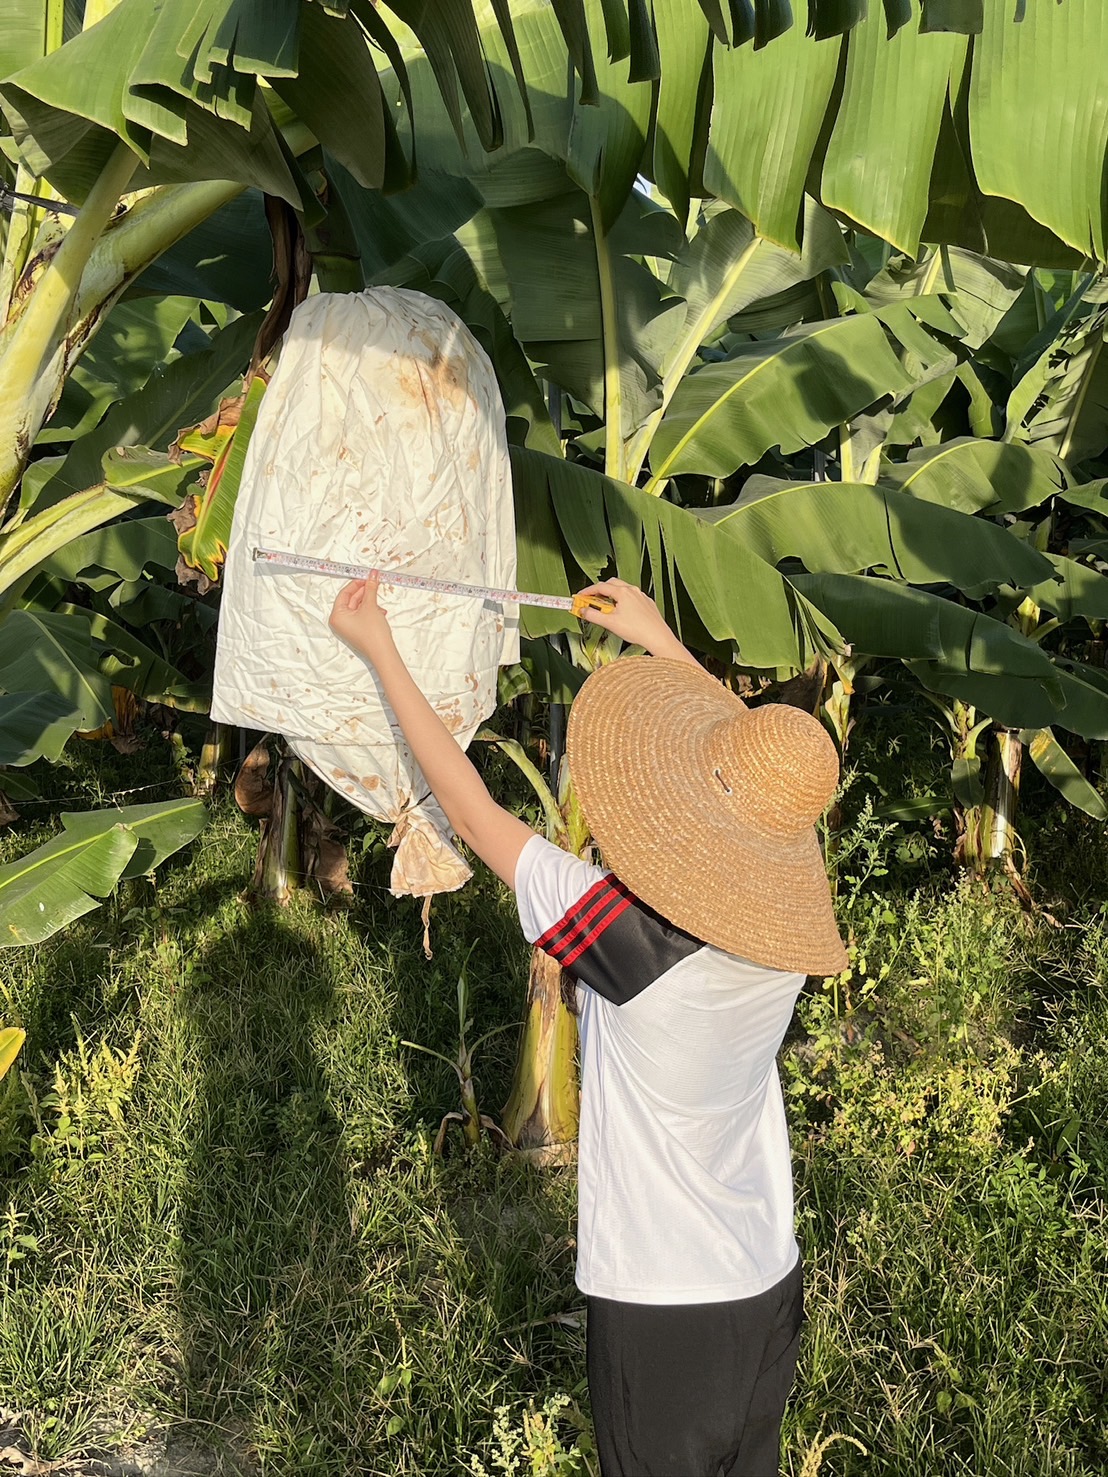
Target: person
[{"x": 689, "y": 949}]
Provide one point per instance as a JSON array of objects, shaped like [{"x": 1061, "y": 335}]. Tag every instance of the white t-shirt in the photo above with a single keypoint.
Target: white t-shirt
[{"x": 685, "y": 1178}]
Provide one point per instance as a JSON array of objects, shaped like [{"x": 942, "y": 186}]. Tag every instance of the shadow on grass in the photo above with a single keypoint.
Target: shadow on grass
[
  {"x": 347, "y": 1302},
  {"x": 266, "y": 1247}
]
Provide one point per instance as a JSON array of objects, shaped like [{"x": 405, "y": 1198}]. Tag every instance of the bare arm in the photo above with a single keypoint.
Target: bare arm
[{"x": 494, "y": 833}]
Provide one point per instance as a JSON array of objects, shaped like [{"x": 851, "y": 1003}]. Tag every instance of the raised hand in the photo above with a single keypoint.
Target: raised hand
[
  {"x": 359, "y": 619},
  {"x": 636, "y": 619}
]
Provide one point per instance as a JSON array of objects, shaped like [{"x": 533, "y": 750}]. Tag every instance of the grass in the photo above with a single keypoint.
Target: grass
[{"x": 222, "y": 1221}]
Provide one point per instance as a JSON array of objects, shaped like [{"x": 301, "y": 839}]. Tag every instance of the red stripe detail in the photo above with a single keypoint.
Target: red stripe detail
[
  {"x": 564, "y": 940},
  {"x": 569, "y": 919},
  {"x": 594, "y": 934},
  {"x": 594, "y": 922},
  {"x": 603, "y": 900}
]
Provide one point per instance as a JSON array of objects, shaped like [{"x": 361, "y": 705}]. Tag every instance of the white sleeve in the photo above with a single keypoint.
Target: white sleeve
[{"x": 548, "y": 882}]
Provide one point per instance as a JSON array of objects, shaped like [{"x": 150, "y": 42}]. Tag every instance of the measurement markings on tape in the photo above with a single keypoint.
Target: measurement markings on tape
[{"x": 578, "y": 604}]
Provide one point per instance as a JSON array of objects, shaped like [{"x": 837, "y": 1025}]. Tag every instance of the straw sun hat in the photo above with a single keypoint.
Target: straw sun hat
[{"x": 705, "y": 808}]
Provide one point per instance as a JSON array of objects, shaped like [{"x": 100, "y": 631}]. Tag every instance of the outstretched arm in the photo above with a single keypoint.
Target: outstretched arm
[{"x": 494, "y": 833}]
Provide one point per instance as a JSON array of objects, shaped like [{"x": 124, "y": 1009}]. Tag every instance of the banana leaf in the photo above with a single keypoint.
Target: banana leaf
[
  {"x": 50, "y": 887},
  {"x": 11, "y": 1044},
  {"x": 204, "y": 546},
  {"x": 185, "y": 392},
  {"x": 894, "y": 92},
  {"x": 1075, "y": 590},
  {"x": 963, "y": 653},
  {"x": 34, "y": 725},
  {"x": 25, "y": 545},
  {"x": 977, "y": 289},
  {"x": 542, "y": 261},
  {"x": 972, "y": 475},
  {"x": 125, "y": 548},
  {"x": 48, "y": 653},
  {"x": 574, "y": 523},
  {"x": 844, "y": 528},
  {"x": 767, "y": 112},
  {"x": 786, "y": 392},
  {"x": 228, "y": 259},
  {"x": 128, "y": 662},
  {"x": 1026, "y": 147},
  {"x": 680, "y": 114},
  {"x": 69, "y": 110},
  {"x": 1056, "y": 766},
  {"x": 1061, "y": 403},
  {"x": 136, "y": 337}
]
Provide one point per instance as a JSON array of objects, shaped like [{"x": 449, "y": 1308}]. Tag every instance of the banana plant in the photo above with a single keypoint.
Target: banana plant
[
  {"x": 541, "y": 1113},
  {"x": 149, "y": 128},
  {"x": 46, "y": 889}
]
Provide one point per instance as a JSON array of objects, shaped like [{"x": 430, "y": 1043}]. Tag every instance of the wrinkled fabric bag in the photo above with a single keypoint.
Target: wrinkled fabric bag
[{"x": 379, "y": 441}]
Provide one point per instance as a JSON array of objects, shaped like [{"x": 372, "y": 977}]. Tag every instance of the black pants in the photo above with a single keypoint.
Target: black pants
[{"x": 693, "y": 1390}]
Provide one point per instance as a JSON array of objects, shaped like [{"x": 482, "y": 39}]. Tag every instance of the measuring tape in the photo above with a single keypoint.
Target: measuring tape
[{"x": 578, "y": 604}]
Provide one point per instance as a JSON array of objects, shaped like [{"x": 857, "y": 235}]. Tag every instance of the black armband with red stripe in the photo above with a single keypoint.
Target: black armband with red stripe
[{"x": 612, "y": 942}]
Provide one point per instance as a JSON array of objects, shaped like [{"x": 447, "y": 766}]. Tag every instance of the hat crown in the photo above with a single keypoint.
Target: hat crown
[{"x": 777, "y": 767}]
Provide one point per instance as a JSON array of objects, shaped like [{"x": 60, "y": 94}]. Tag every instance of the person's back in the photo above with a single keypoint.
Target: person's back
[
  {"x": 704, "y": 810},
  {"x": 685, "y": 1191}
]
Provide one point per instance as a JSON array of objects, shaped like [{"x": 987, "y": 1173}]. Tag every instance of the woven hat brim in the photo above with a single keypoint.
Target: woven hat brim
[{"x": 638, "y": 747}]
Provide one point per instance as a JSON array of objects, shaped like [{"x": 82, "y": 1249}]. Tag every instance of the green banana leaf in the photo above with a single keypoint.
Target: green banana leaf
[
  {"x": 963, "y": 653},
  {"x": 24, "y": 546},
  {"x": 128, "y": 662},
  {"x": 607, "y": 141},
  {"x": 127, "y": 549},
  {"x": 34, "y": 725},
  {"x": 977, "y": 289},
  {"x": 204, "y": 546},
  {"x": 1056, "y": 766},
  {"x": 541, "y": 262},
  {"x": 1061, "y": 403},
  {"x": 728, "y": 267},
  {"x": 25, "y": 37},
  {"x": 226, "y": 259},
  {"x": 1025, "y": 147},
  {"x": 180, "y": 87},
  {"x": 768, "y": 108},
  {"x": 972, "y": 475},
  {"x": 758, "y": 121},
  {"x": 682, "y": 106},
  {"x": 844, "y": 528},
  {"x": 136, "y": 336},
  {"x": 335, "y": 90},
  {"x": 787, "y": 392},
  {"x": 1092, "y": 496},
  {"x": 71, "y": 875},
  {"x": 1075, "y": 590},
  {"x": 48, "y": 653},
  {"x": 573, "y": 522},
  {"x": 894, "y": 94},
  {"x": 183, "y": 394},
  {"x": 68, "y": 111}
]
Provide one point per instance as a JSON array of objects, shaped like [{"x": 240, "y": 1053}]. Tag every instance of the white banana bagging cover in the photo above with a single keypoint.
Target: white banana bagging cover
[{"x": 379, "y": 441}]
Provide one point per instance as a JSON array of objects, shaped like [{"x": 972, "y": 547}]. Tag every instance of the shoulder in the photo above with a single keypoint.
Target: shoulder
[{"x": 593, "y": 925}]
